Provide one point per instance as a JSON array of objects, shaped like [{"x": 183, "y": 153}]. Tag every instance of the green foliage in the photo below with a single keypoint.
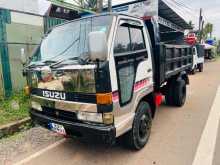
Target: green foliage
[
  {"x": 85, "y": 4},
  {"x": 218, "y": 47},
  {"x": 13, "y": 108},
  {"x": 191, "y": 24},
  {"x": 207, "y": 31}
]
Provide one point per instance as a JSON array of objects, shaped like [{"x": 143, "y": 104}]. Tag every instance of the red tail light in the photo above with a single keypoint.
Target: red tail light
[{"x": 158, "y": 99}]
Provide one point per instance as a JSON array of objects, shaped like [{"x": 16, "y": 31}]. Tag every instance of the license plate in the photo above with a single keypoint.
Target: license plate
[{"x": 57, "y": 128}]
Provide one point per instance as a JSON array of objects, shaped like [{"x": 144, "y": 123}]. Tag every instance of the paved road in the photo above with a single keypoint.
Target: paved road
[{"x": 175, "y": 138}]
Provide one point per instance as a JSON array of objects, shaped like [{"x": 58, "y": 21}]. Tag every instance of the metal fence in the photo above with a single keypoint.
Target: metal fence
[{"x": 19, "y": 31}]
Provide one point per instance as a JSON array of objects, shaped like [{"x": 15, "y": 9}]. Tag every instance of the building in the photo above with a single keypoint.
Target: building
[{"x": 22, "y": 25}]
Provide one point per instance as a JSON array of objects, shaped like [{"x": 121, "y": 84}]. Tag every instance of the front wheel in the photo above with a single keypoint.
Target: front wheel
[{"x": 139, "y": 135}]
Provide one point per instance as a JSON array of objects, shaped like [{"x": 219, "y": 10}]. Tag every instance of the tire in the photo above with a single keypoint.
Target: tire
[
  {"x": 169, "y": 94},
  {"x": 201, "y": 68},
  {"x": 139, "y": 135},
  {"x": 176, "y": 93},
  {"x": 193, "y": 71}
]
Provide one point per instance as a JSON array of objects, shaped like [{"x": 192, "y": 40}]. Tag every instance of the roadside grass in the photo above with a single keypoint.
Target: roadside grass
[{"x": 13, "y": 108}]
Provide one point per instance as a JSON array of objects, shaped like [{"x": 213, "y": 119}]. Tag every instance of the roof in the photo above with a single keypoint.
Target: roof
[
  {"x": 167, "y": 12},
  {"x": 37, "y": 7}
]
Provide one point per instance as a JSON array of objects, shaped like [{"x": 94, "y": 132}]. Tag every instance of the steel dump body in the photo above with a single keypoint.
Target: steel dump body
[{"x": 170, "y": 60}]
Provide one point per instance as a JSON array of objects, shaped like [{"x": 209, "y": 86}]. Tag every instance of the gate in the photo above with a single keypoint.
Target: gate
[{"x": 19, "y": 31}]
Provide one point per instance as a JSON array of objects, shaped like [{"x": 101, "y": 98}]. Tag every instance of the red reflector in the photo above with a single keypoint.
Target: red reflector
[{"x": 158, "y": 99}]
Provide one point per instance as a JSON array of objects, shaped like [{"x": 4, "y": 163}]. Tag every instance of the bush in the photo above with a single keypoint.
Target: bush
[{"x": 13, "y": 108}]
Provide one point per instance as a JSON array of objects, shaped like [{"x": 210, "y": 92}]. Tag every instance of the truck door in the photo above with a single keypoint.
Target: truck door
[
  {"x": 133, "y": 62},
  {"x": 195, "y": 57}
]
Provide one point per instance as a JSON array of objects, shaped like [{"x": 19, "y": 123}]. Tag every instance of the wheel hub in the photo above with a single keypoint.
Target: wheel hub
[{"x": 144, "y": 126}]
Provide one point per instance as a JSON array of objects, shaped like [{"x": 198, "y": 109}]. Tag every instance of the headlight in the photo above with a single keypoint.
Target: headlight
[
  {"x": 36, "y": 106},
  {"x": 92, "y": 117}
]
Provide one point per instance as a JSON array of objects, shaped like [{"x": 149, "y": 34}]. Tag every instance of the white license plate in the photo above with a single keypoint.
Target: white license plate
[{"x": 57, "y": 128}]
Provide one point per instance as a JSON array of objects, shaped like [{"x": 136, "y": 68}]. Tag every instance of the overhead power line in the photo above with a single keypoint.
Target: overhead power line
[{"x": 182, "y": 8}]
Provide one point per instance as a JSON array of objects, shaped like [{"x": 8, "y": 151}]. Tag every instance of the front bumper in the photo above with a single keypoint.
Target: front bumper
[{"x": 84, "y": 131}]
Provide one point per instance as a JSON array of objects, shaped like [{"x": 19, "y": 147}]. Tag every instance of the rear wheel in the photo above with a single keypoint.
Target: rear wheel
[
  {"x": 139, "y": 135},
  {"x": 176, "y": 93},
  {"x": 193, "y": 71},
  {"x": 180, "y": 93},
  {"x": 200, "y": 67}
]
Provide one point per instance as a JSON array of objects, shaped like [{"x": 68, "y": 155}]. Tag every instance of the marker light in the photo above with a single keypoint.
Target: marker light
[
  {"x": 108, "y": 118},
  {"x": 104, "y": 98}
]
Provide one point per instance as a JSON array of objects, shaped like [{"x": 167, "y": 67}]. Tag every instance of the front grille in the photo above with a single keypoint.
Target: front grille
[{"x": 59, "y": 114}]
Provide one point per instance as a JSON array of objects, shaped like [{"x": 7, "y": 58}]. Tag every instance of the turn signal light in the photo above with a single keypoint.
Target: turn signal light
[
  {"x": 104, "y": 99},
  {"x": 27, "y": 90}
]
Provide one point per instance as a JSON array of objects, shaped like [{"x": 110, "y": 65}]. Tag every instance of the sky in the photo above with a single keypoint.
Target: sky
[{"x": 211, "y": 11}]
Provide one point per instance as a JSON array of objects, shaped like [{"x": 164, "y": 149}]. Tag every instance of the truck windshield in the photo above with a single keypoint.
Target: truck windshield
[{"x": 71, "y": 40}]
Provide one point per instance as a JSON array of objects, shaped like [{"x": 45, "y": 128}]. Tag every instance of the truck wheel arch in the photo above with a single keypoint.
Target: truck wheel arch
[
  {"x": 151, "y": 101},
  {"x": 184, "y": 76}
]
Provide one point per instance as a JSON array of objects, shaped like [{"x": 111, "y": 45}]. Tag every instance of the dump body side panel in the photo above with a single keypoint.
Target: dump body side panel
[{"x": 171, "y": 60}]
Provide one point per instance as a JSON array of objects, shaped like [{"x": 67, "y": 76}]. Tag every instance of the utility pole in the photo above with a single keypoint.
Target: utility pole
[
  {"x": 202, "y": 27},
  {"x": 201, "y": 24},
  {"x": 109, "y": 5},
  {"x": 99, "y": 6},
  {"x": 200, "y": 18}
]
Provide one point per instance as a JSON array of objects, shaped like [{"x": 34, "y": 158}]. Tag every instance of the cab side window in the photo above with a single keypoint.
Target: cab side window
[
  {"x": 129, "y": 51},
  {"x": 137, "y": 39},
  {"x": 122, "y": 41}
]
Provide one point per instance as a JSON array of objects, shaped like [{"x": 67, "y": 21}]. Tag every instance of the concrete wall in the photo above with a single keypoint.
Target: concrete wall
[{"x": 32, "y": 6}]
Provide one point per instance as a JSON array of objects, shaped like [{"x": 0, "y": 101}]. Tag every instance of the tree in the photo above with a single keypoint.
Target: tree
[
  {"x": 95, "y": 5},
  {"x": 207, "y": 31},
  {"x": 218, "y": 47},
  {"x": 191, "y": 24},
  {"x": 87, "y": 4}
]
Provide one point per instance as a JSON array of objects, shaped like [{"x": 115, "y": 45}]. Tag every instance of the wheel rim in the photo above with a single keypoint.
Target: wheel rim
[{"x": 144, "y": 127}]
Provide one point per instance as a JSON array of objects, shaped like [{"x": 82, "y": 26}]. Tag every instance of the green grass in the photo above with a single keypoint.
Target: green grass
[{"x": 13, "y": 108}]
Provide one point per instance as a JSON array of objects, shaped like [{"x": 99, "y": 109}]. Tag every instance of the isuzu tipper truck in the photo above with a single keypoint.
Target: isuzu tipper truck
[{"x": 102, "y": 77}]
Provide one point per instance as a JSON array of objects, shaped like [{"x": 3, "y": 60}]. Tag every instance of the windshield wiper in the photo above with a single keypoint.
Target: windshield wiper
[
  {"x": 65, "y": 50},
  {"x": 81, "y": 61},
  {"x": 43, "y": 63},
  {"x": 50, "y": 61}
]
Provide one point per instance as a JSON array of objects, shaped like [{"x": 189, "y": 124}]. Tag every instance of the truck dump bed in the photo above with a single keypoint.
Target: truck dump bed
[{"x": 170, "y": 60}]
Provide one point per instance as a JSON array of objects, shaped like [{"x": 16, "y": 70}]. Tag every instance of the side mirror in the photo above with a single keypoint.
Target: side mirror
[
  {"x": 98, "y": 48},
  {"x": 23, "y": 56}
]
